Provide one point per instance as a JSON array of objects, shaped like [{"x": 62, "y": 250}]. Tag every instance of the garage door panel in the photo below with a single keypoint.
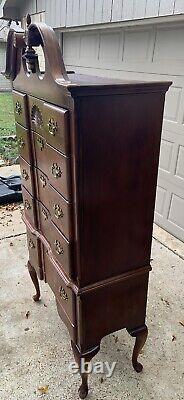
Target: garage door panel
[
  {"x": 168, "y": 44},
  {"x": 166, "y": 155},
  {"x": 176, "y": 211},
  {"x": 171, "y": 158},
  {"x": 160, "y": 200},
  {"x": 174, "y": 127},
  {"x": 112, "y": 42},
  {"x": 136, "y": 45},
  {"x": 180, "y": 164},
  {"x": 89, "y": 47},
  {"x": 172, "y": 104},
  {"x": 169, "y": 208},
  {"x": 170, "y": 179},
  {"x": 170, "y": 227},
  {"x": 71, "y": 47}
]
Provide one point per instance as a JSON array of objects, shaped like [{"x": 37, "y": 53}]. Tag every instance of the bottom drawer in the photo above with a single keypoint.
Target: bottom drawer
[
  {"x": 65, "y": 297},
  {"x": 34, "y": 247}
]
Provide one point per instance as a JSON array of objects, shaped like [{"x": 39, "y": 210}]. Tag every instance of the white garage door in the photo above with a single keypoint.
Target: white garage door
[{"x": 146, "y": 53}]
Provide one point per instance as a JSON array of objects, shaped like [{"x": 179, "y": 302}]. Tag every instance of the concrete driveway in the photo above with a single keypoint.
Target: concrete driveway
[{"x": 35, "y": 346}]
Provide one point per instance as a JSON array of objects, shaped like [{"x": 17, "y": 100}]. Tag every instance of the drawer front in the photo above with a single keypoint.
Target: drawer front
[
  {"x": 64, "y": 295},
  {"x": 29, "y": 207},
  {"x": 23, "y": 141},
  {"x": 42, "y": 187},
  {"x": 56, "y": 127},
  {"x": 60, "y": 246},
  {"x": 44, "y": 221},
  {"x": 53, "y": 164},
  {"x": 59, "y": 208},
  {"x": 20, "y": 108},
  {"x": 70, "y": 326},
  {"x": 34, "y": 252},
  {"x": 51, "y": 122},
  {"x": 26, "y": 175},
  {"x": 60, "y": 211}
]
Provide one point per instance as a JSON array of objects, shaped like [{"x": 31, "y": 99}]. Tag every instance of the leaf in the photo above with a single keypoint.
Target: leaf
[
  {"x": 173, "y": 338},
  {"x": 181, "y": 323},
  {"x": 165, "y": 301},
  {"x": 27, "y": 314},
  {"x": 43, "y": 389}
]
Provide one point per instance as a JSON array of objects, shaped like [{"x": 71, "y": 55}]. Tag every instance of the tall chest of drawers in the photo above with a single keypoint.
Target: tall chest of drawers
[{"x": 89, "y": 151}]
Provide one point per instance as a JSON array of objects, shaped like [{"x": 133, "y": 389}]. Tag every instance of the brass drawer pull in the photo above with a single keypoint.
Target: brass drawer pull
[
  {"x": 25, "y": 175},
  {"x": 27, "y": 205},
  {"x": 58, "y": 212},
  {"x": 40, "y": 143},
  {"x": 45, "y": 215},
  {"x": 43, "y": 181},
  {"x": 31, "y": 244},
  {"x": 21, "y": 142},
  {"x": 56, "y": 170},
  {"x": 18, "y": 108},
  {"x": 52, "y": 126},
  {"x": 63, "y": 294},
  {"x": 58, "y": 247}
]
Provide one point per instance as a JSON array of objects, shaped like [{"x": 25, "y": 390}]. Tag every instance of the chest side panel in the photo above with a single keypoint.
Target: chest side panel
[{"x": 118, "y": 153}]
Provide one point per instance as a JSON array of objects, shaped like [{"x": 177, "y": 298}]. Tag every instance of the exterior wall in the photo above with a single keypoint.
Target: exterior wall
[
  {"x": 85, "y": 12},
  {"x": 4, "y": 83},
  {"x": 147, "y": 53},
  {"x": 68, "y": 13},
  {"x": 33, "y": 6}
]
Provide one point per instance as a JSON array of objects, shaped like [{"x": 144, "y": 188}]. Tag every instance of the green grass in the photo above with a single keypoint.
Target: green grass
[{"x": 8, "y": 148}]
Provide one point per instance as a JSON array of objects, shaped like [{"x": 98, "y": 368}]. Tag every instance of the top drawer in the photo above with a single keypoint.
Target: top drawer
[
  {"x": 20, "y": 108},
  {"x": 51, "y": 122}
]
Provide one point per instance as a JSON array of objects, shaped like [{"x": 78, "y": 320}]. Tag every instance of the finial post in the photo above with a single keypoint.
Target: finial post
[{"x": 28, "y": 20}]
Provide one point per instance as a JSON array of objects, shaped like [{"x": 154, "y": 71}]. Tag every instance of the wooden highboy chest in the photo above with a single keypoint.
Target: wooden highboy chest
[{"x": 89, "y": 152}]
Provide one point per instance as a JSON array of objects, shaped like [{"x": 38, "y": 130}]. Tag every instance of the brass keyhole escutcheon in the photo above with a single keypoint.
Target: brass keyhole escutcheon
[
  {"x": 40, "y": 143},
  {"x": 43, "y": 181},
  {"x": 52, "y": 126},
  {"x": 58, "y": 247},
  {"x": 56, "y": 171},
  {"x": 44, "y": 214},
  {"x": 27, "y": 205},
  {"x": 63, "y": 294},
  {"x": 18, "y": 108},
  {"x": 58, "y": 212},
  {"x": 21, "y": 142},
  {"x": 25, "y": 175}
]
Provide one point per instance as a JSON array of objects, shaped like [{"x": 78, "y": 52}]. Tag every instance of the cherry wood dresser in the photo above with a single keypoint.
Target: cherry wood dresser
[{"x": 89, "y": 152}]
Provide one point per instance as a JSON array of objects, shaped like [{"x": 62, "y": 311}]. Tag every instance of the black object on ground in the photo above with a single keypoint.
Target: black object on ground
[{"x": 10, "y": 189}]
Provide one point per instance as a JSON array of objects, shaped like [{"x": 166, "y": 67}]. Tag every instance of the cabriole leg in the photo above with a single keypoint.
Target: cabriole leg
[
  {"x": 87, "y": 357},
  {"x": 34, "y": 279},
  {"x": 141, "y": 335}
]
